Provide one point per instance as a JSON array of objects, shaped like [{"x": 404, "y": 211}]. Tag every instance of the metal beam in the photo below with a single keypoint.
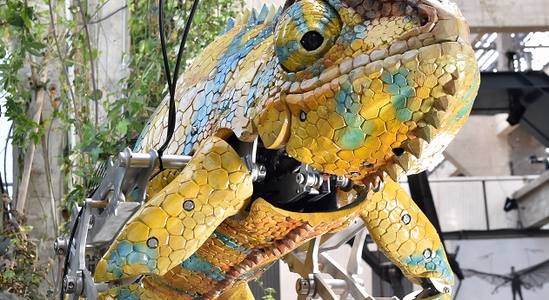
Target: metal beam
[
  {"x": 533, "y": 202},
  {"x": 530, "y": 89}
]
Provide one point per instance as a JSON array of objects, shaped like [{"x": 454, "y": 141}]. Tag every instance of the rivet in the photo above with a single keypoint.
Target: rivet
[
  {"x": 152, "y": 243},
  {"x": 446, "y": 290},
  {"x": 366, "y": 164},
  {"x": 188, "y": 205},
  {"x": 406, "y": 219},
  {"x": 427, "y": 253},
  {"x": 355, "y": 174},
  {"x": 303, "y": 116}
]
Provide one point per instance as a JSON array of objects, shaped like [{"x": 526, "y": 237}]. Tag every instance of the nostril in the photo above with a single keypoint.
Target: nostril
[
  {"x": 427, "y": 17},
  {"x": 424, "y": 20}
]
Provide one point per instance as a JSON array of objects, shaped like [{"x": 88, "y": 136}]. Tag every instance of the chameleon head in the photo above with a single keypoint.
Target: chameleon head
[{"x": 373, "y": 86}]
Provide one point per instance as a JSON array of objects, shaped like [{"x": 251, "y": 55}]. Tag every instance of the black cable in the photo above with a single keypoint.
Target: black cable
[
  {"x": 163, "y": 44},
  {"x": 66, "y": 262},
  {"x": 172, "y": 82}
]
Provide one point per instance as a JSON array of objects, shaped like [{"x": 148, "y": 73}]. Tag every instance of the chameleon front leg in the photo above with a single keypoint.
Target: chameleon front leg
[
  {"x": 172, "y": 225},
  {"x": 405, "y": 235}
]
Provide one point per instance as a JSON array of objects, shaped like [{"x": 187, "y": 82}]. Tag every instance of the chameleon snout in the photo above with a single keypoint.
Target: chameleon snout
[{"x": 444, "y": 21}]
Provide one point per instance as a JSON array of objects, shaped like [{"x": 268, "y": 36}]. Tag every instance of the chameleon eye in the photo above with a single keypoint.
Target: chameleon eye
[
  {"x": 312, "y": 40},
  {"x": 306, "y": 30}
]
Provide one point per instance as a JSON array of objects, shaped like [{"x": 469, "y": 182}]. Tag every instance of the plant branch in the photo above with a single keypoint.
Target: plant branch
[
  {"x": 35, "y": 111},
  {"x": 92, "y": 68},
  {"x": 64, "y": 67}
]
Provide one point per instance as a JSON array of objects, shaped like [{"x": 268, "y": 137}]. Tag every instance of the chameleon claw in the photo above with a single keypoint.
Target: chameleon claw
[{"x": 433, "y": 289}]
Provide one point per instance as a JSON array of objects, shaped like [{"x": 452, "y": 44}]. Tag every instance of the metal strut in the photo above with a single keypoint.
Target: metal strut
[{"x": 316, "y": 267}]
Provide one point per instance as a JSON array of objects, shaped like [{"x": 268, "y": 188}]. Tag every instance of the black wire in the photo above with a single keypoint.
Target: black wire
[
  {"x": 68, "y": 251},
  {"x": 1, "y": 184},
  {"x": 172, "y": 82},
  {"x": 163, "y": 44}
]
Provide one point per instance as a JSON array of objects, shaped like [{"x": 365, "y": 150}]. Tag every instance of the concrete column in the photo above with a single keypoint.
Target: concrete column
[{"x": 109, "y": 34}]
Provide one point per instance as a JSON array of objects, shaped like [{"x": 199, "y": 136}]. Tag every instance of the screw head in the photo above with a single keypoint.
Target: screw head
[
  {"x": 427, "y": 253},
  {"x": 299, "y": 178},
  {"x": 302, "y": 116},
  {"x": 406, "y": 219},
  {"x": 152, "y": 243},
  {"x": 188, "y": 205}
]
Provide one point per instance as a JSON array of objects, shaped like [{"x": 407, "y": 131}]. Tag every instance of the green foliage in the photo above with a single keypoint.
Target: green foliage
[
  {"x": 26, "y": 45},
  {"x": 268, "y": 292},
  {"x": 147, "y": 79},
  {"x": 20, "y": 271}
]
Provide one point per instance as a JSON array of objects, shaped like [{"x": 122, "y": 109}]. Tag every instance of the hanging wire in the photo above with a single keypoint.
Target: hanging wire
[{"x": 172, "y": 82}]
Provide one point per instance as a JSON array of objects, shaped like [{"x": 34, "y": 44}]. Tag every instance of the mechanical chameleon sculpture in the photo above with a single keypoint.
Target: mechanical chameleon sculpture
[{"x": 290, "y": 125}]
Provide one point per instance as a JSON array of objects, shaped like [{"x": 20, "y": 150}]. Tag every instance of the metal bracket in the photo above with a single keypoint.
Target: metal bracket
[
  {"x": 104, "y": 214},
  {"x": 314, "y": 263}
]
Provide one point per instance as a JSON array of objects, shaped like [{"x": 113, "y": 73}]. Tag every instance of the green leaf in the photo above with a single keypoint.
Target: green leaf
[
  {"x": 34, "y": 52},
  {"x": 36, "y": 45},
  {"x": 8, "y": 274}
]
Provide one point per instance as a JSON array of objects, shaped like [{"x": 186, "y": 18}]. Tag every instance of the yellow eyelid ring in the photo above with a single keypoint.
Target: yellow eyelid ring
[{"x": 302, "y": 39}]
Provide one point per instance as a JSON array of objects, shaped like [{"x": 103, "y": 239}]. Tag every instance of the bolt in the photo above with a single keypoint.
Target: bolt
[
  {"x": 446, "y": 290},
  {"x": 406, "y": 219},
  {"x": 68, "y": 284},
  {"x": 427, "y": 253},
  {"x": 303, "y": 116},
  {"x": 152, "y": 243},
  {"x": 300, "y": 179},
  {"x": 302, "y": 286},
  {"x": 188, "y": 205}
]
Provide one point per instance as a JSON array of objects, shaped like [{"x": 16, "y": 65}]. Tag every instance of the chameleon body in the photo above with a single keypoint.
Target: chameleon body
[{"x": 362, "y": 89}]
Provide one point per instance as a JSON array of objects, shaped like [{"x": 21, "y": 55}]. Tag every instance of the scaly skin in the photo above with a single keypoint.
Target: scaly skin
[{"x": 385, "y": 90}]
